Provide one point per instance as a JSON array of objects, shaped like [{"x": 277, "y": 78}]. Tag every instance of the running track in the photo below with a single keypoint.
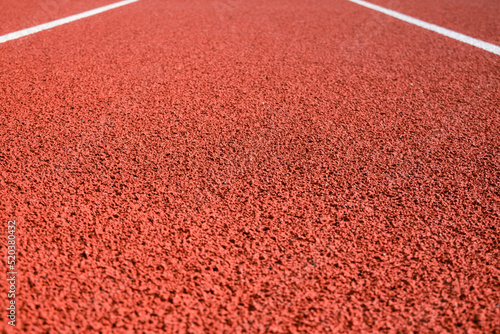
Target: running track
[{"x": 251, "y": 166}]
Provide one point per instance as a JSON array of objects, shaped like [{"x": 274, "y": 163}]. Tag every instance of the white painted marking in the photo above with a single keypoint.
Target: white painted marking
[
  {"x": 432, "y": 27},
  {"x": 49, "y": 25}
]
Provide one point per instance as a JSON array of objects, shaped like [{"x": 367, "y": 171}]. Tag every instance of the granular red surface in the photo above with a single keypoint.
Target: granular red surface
[
  {"x": 478, "y": 18},
  {"x": 22, "y": 14},
  {"x": 250, "y": 166}
]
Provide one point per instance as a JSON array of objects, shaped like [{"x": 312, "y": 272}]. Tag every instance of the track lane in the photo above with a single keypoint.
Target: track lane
[{"x": 283, "y": 163}]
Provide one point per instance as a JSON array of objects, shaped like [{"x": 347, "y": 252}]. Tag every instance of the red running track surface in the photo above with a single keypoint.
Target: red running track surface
[
  {"x": 478, "y": 18},
  {"x": 250, "y": 166},
  {"x": 21, "y": 14}
]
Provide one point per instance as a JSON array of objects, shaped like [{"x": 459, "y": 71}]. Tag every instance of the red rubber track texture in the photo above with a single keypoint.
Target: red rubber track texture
[
  {"x": 250, "y": 166},
  {"x": 21, "y": 14},
  {"x": 478, "y": 19}
]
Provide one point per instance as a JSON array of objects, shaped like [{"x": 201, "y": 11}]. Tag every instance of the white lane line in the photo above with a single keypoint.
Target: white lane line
[
  {"x": 432, "y": 27},
  {"x": 49, "y": 25}
]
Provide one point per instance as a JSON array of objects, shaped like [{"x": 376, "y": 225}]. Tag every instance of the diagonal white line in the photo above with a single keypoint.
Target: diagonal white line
[
  {"x": 48, "y": 25},
  {"x": 432, "y": 27}
]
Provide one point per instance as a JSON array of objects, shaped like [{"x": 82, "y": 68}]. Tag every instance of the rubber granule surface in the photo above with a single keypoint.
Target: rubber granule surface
[{"x": 250, "y": 166}]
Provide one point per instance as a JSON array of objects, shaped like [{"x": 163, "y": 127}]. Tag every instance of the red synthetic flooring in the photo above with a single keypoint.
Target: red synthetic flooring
[
  {"x": 21, "y": 14},
  {"x": 478, "y": 18},
  {"x": 251, "y": 166}
]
